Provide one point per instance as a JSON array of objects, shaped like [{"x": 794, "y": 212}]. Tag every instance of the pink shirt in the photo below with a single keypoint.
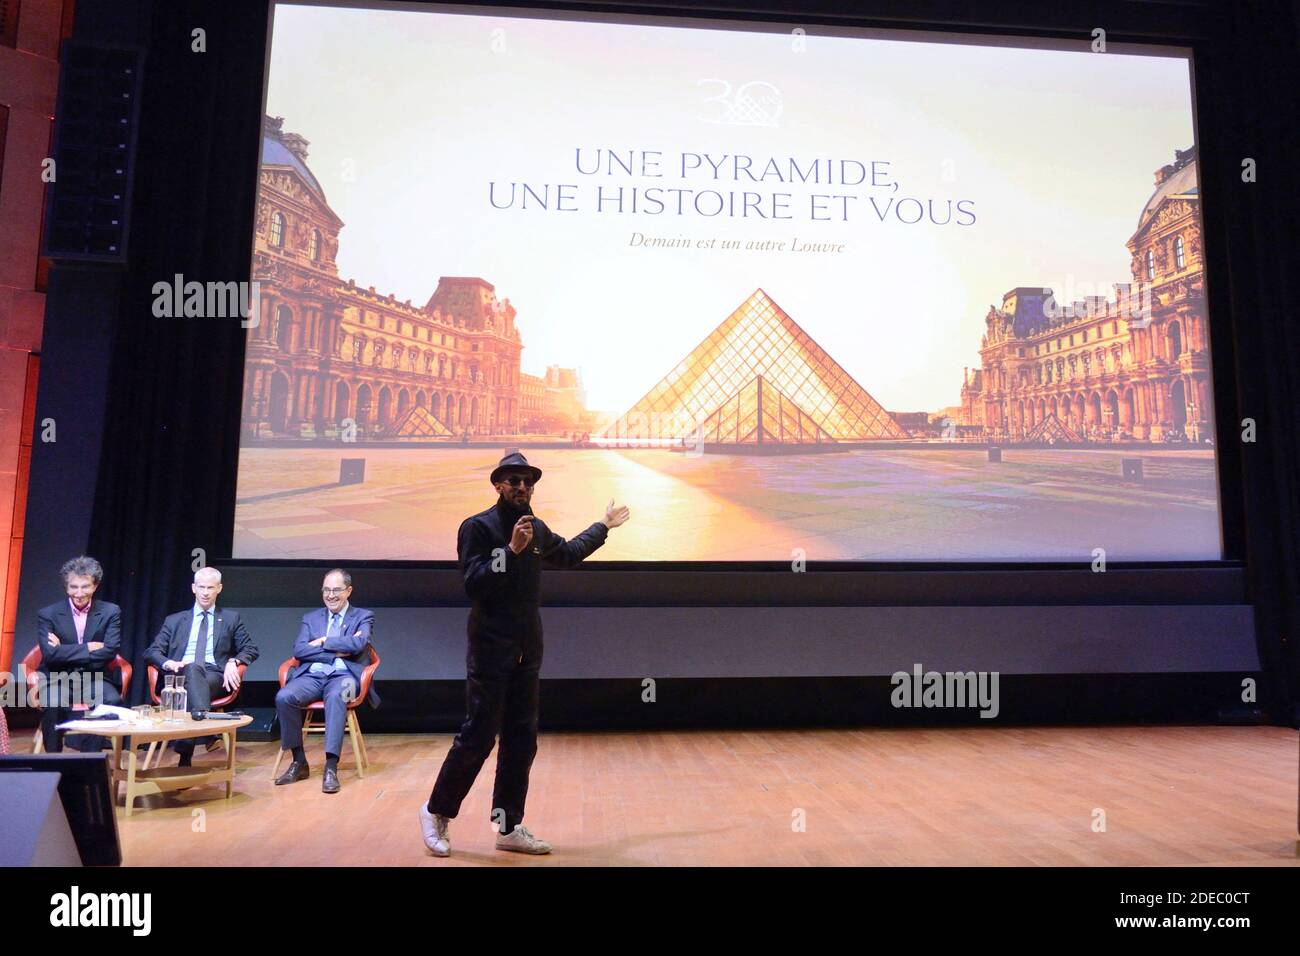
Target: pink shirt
[{"x": 79, "y": 619}]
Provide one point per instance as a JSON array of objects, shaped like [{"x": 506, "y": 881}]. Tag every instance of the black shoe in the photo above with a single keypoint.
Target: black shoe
[
  {"x": 298, "y": 770},
  {"x": 330, "y": 784}
]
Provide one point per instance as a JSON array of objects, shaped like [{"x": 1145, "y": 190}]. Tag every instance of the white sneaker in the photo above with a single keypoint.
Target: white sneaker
[
  {"x": 434, "y": 828},
  {"x": 519, "y": 840}
]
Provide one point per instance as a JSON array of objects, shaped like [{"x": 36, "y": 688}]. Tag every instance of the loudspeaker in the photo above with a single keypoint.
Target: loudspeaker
[
  {"x": 34, "y": 828},
  {"x": 265, "y": 725},
  {"x": 85, "y": 799},
  {"x": 94, "y": 154}
]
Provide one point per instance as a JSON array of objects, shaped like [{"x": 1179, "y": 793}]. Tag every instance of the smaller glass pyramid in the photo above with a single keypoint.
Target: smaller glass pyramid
[
  {"x": 418, "y": 422},
  {"x": 759, "y": 414},
  {"x": 1052, "y": 428}
]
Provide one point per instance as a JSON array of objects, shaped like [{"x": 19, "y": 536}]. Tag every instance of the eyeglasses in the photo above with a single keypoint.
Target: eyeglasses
[
  {"x": 515, "y": 481},
  {"x": 330, "y": 592}
]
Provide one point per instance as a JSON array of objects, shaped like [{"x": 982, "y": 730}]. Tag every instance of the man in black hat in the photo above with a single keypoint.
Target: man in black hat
[{"x": 501, "y": 553}]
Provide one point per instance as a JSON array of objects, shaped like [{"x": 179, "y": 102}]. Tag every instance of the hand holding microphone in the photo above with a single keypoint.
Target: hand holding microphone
[{"x": 523, "y": 534}]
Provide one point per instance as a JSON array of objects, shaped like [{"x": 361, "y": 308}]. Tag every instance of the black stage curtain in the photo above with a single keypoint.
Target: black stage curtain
[
  {"x": 171, "y": 435},
  {"x": 166, "y": 484},
  {"x": 1249, "y": 73}
]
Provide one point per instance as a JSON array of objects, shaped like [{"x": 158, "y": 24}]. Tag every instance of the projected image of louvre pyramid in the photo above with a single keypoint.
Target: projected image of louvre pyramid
[{"x": 757, "y": 379}]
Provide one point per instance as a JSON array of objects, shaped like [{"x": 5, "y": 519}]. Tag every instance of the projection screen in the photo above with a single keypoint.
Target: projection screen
[{"x": 782, "y": 290}]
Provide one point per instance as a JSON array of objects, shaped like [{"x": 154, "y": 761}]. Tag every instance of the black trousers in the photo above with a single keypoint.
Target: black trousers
[
  {"x": 51, "y": 716},
  {"x": 500, "y": 700},
  {"x": 203, "y": 683}
]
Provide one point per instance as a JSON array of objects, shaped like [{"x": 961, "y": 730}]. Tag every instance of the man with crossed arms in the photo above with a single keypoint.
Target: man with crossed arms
[{"x": 332, "y": 650}]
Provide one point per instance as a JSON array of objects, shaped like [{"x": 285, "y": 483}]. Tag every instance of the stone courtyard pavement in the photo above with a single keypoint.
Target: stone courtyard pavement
[{"x": 923, "y": 504}]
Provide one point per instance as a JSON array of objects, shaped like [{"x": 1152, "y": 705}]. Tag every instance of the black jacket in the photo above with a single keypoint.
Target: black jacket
[
  {"x": 229, "y": 639},
  {"x": 504, "y": 587},
  {"x": 103, "y": 626}
]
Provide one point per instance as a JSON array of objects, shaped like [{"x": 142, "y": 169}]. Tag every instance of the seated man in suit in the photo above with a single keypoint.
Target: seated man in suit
[
  {"x": 78, "y": 637},
  {"x": 332, "y": 651},
  {"x": 205, "y": 644}
]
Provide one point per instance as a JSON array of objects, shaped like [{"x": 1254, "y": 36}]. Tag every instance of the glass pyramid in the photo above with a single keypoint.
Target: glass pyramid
[
  {"x": 1052, "y": 428},
  {"x": 758, "y": 377},
  {"x": 760, "y": 414},
  {"x": 418, "y": 422}
]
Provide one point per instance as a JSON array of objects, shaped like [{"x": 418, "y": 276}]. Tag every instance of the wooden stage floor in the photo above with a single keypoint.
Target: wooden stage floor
[{"x": 1006, "y": 796}]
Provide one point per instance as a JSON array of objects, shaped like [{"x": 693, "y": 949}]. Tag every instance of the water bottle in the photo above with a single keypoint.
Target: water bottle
[
  {"x": 167, "y": 698},
  {"x": 180, "y": 702}
]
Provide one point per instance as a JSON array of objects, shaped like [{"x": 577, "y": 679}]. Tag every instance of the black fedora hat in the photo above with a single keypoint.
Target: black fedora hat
[{"x": 514, "y": 459}]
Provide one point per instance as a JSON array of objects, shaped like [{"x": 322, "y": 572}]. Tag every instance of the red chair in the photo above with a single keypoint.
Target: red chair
[
  {"x": 353, "y": 726},
  {"x": 221, "y": 703},
  {"x": 31, "y": 667}
]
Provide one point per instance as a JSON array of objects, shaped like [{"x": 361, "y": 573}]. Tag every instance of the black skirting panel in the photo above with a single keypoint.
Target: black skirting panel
[
  {"x": 1068, "y": 645},
  {"x": 274, "y": 584},
  {"x": 791, "y": 702}
]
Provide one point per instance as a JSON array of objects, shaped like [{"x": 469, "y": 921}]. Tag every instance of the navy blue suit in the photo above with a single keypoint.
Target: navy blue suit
[{"x": 336, "y": 687}]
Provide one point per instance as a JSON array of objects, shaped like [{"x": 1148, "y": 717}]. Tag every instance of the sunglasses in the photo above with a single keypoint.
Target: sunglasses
[{"x": 514, "y": 481}]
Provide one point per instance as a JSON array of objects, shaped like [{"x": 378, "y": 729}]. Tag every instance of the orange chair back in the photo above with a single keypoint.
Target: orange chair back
[
  {"x": 32, "y": 664},
  {"x": 121, "y": 664},
  {"x": 367, "y": 675}
]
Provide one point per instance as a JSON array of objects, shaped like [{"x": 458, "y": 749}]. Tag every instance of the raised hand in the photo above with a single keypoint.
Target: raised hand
[
  {"x": 616, "y": 516},
  {"x": 522, "y": 535}
]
